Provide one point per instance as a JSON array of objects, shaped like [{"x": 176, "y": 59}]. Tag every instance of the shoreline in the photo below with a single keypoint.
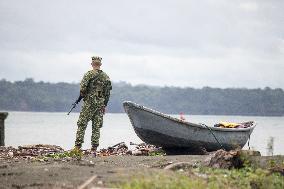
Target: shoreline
[
  {"x": 116, "y": 170},
  {"x": 108, "y": 170}
]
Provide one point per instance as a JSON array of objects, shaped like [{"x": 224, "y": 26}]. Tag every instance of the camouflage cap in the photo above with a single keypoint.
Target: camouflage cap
[{"x": 96, "y": 59}]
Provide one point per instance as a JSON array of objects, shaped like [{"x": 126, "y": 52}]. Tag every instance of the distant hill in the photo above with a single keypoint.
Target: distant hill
[{"x": 28, "y": 95}]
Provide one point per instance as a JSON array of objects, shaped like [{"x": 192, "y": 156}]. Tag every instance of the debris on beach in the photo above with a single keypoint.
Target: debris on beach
[
  {"x": 118, "y": 149},
  {"x": 144, "y": 149},
  {"x": 121, "y": 148},
  {"x": 29, "y": 151},
  {"x": 41, "y": 150},
  {"x": 7, "y": 152}
]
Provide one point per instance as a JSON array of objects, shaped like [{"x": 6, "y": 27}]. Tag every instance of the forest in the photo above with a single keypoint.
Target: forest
[{"x": 29, "y": 95}]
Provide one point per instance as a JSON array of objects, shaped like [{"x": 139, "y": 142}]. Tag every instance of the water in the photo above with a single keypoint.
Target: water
[{"x": 59, "y": 129}]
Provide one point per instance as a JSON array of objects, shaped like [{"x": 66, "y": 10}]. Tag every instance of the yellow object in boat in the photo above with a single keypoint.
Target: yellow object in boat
[{"x": 229, "y": 124}]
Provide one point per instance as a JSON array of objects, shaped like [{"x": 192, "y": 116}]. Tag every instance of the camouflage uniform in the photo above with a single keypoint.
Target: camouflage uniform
[{"x": 96, "y": 93}]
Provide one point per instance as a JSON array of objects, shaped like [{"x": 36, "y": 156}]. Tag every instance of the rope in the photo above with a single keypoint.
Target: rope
[
  {"x": 214, "y": 136},
  {"x": 248, "y": 142}
]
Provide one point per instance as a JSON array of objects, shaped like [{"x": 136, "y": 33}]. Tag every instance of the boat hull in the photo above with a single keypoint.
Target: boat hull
[{"x": 170, "y": 133}]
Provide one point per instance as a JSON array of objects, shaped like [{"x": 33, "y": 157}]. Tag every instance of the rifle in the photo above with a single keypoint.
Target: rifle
[
  {"x": 74, "y": 104},
  {"x": 80, "y": 96}
]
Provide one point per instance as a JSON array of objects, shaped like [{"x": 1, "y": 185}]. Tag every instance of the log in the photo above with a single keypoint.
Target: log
[{"x": 3, "y": 116}]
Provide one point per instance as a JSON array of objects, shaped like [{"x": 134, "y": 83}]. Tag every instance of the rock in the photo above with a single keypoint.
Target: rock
[
  {"x": 11, "y": 154},
  {"x": 223, "y": 159},
  {"x": 100, "y": 182},
  {"x": 137, "y": 153},
  {"x": 230, "y": 159}
]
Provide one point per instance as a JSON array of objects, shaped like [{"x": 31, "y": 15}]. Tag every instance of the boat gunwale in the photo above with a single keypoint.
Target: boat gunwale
[{"x": 186, "y": 123}]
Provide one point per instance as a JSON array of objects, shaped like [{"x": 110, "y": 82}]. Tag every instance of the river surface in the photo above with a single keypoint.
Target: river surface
[{"x": 23, "y": 128}]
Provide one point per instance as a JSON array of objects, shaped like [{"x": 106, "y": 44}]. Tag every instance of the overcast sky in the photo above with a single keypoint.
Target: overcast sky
[{"x": 217, "y": 43}]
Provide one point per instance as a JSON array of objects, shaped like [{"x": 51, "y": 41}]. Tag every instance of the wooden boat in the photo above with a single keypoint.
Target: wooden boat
[{"x": 168, "y": 132}]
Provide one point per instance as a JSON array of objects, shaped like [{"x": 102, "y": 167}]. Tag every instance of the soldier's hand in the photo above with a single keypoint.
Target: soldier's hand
[{"x": 104, "y": 110}]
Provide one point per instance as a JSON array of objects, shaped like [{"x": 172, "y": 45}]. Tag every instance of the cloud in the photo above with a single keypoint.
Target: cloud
[
  {"x": 183, "y": 43},
  {"x": 249, "y": 6}
]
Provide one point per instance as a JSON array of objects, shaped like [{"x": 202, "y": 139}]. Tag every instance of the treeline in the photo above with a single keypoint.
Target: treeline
[{"x": 28, "y": 95}]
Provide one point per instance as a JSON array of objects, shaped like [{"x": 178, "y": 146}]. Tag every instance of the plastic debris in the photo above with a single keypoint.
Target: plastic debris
[{"x": 118, "y": 149}]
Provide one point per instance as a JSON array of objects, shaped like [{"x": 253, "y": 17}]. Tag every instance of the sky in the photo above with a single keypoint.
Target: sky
[{"x": 186, "y": 43}]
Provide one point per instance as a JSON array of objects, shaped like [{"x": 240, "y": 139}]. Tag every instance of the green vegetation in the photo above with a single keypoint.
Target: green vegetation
[
  {"x": 163, "y": 181},
  {"x": 202, "y": 178},
  {"x": 157, "y": 153},
  {"x": 75, "y": 153},
  {"x": 28, "y": 95}
]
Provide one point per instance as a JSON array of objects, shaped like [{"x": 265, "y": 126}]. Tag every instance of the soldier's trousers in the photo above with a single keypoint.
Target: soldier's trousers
[{"x": 89, "y": 113}]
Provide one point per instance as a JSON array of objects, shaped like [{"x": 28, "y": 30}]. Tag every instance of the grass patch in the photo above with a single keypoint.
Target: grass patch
[
  {"x": 203, "y": 178},
  {"x": 246, "y": 177},
  {"x": 162, "y": 181},
  {"x": 75, "y": 153}
]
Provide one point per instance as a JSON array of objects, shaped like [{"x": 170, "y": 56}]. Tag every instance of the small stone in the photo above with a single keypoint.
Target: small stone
[
  {"x": 10, "y": 154},
  {"x": 100, "y": 182}
]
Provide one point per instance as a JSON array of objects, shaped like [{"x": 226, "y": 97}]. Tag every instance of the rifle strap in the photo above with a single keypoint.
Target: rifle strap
[{"x": 95, "y": 78}]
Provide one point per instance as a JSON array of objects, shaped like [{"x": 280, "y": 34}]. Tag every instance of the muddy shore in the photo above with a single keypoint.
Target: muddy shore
[
  {"x": 103, "y": 171},
  {"x": 49, "y": 166},
  {"x": 73, "y": 173}
]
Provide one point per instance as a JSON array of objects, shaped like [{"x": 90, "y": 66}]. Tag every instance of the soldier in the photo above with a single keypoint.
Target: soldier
[{"x": 95, "y": 90}]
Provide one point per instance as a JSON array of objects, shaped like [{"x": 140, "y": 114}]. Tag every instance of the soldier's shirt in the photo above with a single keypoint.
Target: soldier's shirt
[{"x": 98, "y": 90}]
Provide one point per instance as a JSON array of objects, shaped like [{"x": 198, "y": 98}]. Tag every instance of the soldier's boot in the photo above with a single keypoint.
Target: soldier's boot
[
  {"x": 94, "y": 150},
  {"x": 77, "y": 148}
]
